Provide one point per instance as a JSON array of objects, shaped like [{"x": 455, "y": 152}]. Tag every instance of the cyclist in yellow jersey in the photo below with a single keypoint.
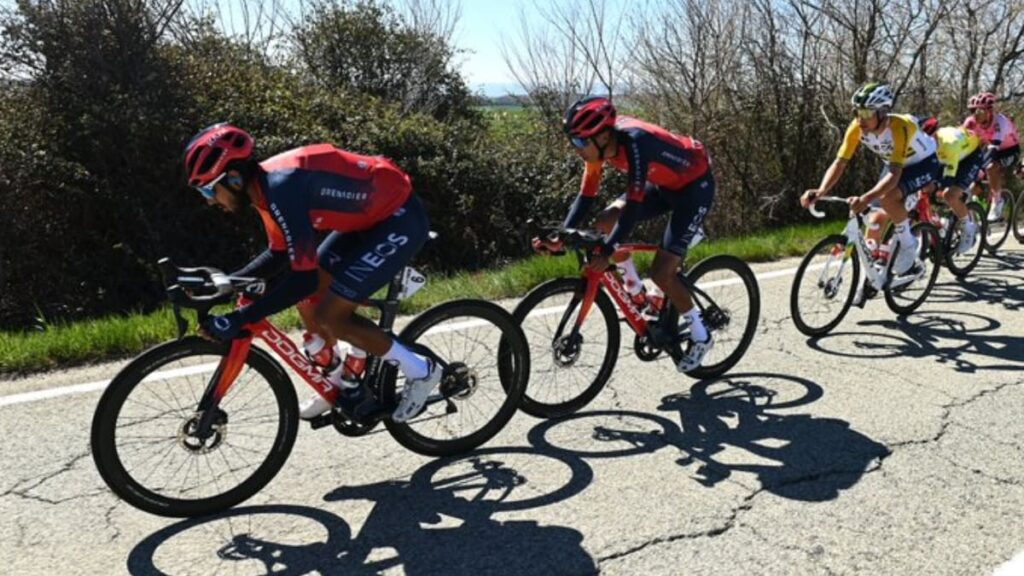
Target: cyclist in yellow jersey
[
  {"x": 961, "y": 157},
  {"x": 910, "y": 164}
]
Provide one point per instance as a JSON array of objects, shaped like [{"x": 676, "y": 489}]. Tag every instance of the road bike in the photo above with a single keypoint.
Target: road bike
[
  {"x": 951, "y": 229},
  {"x": 824, "y": 287},
  {"x": 192, "y": 427},
  {"x": 573, "y": 330}
]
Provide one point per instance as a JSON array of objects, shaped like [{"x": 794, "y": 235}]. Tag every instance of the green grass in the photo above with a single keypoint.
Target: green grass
[{"x": 118, "y": 336}]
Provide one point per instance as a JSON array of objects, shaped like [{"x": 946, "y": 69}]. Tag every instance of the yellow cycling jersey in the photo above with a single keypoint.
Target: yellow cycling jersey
[
  {"x": 902, "y": 143},
  {"x": 955, "y": 144}
]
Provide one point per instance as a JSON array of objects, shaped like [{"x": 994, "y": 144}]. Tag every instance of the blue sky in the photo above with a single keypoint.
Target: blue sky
[{"x": 480, "y": 31}]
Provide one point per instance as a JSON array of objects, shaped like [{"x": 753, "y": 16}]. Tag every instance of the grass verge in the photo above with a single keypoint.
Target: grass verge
[{"x": 118, "y": 336}]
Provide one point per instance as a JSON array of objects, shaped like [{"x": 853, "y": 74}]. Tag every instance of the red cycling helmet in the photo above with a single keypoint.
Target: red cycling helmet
[
  {"x": 984, "y": 100},
  {"x": 930, "y": 125},
  {"x": 208, "y": 153},
  {"x": 588, "y": 117}
]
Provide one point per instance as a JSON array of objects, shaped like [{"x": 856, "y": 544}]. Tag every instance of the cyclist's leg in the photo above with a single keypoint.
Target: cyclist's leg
[
  {"x": 307, "y": 307},
  {"x": 359, "y": 266},
  {"x": 954, "y": 187},
  {"x": 912, "y": 179},
  {"x": 690, "y": 206},
  {"x": 653, "y": 206}
]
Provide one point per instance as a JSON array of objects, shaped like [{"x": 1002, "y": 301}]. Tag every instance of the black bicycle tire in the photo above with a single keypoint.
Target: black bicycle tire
[
  {"x": 993, "y": 247},
  {"x": 979, "y": 217},
  {"x": 103, "y": 436},
  {"x": 936, "y": 260},
  {"x": 539, "y": 409},
  {"x": 794, "y": 294},
  {"x": 742, "y": 269},
  {"x": 513, "y": 381},
  {"x": 1018, "y": 218}
]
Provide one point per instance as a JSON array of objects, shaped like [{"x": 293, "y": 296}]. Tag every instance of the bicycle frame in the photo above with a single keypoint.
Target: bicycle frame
[
  {"x": 231, "y": 364},
  {"x": 879, "y": 279},
  {"x": 610, "y": 282}
]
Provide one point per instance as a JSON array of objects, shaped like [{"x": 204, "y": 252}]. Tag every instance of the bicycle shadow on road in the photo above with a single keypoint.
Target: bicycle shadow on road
[
  {"x": 439, "y": 521},
  {"x": 960, "y": 339},
  {"x": 730, "y": 425}
]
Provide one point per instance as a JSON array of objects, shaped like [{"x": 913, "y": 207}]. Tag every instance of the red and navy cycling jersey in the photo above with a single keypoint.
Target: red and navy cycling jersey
[
  {"x": 649, "y": 153},
  {"x": 321, "y": 187}
]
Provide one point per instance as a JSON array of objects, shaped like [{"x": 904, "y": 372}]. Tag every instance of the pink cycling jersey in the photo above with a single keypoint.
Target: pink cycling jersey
[{"x": 1000, "y": 132}]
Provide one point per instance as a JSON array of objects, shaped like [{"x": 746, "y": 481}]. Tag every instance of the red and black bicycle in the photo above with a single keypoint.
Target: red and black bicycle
[
  {"x": 573, "y": 329},
  {"x": 192, "y": 427}
]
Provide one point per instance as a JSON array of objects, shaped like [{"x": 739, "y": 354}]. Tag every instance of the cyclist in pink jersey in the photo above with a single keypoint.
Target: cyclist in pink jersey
[{"x": 999, "y": 135}]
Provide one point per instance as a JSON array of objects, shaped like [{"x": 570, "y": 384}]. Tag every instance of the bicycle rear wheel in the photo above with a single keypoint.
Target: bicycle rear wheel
[
  {"x": 824, "y": 286},
  {"x": 905, "y": 298},
  {"x": 567, "y": 371},
  {"x": 488, "y": 365},
  {"x": 732, "y": 307},
  {"x": 143, "y": 439}
]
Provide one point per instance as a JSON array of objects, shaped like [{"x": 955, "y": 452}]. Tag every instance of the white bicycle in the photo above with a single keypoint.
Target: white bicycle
[{"x": 828, "y": 277}]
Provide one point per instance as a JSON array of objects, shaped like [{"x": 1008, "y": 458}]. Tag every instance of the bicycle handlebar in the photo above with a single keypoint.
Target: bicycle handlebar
[
  {"x": 202, "y": 287},
  {"x": 828, "y": 199},
  {"x": 572, "y": 237}
]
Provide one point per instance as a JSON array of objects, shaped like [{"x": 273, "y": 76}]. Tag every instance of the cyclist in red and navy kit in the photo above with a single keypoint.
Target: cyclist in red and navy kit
[
  {"x": 667, "y": 174},
  {"x": 377, "y": 225}
]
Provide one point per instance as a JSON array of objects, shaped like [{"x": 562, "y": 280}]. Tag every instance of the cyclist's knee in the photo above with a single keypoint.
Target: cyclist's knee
[
  {"x": 663, "y": 272},
  {"x": 606, "y": 220}
]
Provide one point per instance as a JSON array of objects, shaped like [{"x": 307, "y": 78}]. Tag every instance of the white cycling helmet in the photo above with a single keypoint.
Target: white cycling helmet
[{"x": 874, "y": 96}]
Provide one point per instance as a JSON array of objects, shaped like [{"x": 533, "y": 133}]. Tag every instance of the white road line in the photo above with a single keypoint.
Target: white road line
[
  {"x": 1015, "y": 567},
  {"x": 88, "y": 387}
]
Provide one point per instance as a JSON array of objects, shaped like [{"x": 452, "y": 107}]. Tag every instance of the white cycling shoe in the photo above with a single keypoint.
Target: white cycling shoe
[
  {"x": 695, "y": 354},
  {"x": 905, "y": 258},
  {"x": 416, "y": 392},
  {"x": 967, "y": 240}
]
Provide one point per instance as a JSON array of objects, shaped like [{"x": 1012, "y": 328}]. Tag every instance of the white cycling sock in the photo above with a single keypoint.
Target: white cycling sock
[
  {"x": 698, "y": 332},
  {"x": 412, "y": 365},
  {"x": 633, "y": 282},
  {"x": 903, "y": 233}
]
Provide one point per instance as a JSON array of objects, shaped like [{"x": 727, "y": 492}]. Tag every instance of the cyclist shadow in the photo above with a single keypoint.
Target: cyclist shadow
[
  {"x": 728, "y": 426},
  {"x": 796, "y": 456},
  {"x": 994, "y": 286},
  {"x": 437, "y": 522},
  {"x": 959, "y": 339}
]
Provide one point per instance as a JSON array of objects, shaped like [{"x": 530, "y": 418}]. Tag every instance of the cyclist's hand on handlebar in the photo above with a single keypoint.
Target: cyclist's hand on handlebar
[
  {"x": 809, "y": 197},
  {"x": 221, "y": 328},
  {"x": 547, "y": 246},
  {"x": 857, "y": 204}
]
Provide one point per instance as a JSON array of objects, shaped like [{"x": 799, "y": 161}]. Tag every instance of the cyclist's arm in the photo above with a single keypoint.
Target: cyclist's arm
[
  {"x": 587, "y": 196},
  {"x": 1001, "y": 130},
  {"x": 888, "y": 182},
  {"x": 832, "y": 176},
  {"x": 637, "y": 178},
  {"x": 292, "y": 216},
  {"x": 269, "y": 263}
]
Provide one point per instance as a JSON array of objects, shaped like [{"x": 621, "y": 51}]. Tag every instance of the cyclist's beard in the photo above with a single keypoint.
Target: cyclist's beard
[{"x": 239, "y": 190}]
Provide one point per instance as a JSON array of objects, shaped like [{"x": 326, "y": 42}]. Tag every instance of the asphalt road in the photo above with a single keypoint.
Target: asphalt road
[{"x": 888, "y": 447}]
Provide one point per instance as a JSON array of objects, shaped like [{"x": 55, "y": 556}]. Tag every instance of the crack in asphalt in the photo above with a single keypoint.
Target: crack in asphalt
[
  {"x": 109, "y": 521},
  {"x": 20, "y": 489},
  {"x": 747, "y": 503}
]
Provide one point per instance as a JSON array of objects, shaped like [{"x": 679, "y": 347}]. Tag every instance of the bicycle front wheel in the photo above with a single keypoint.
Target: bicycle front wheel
[
  {"x": 902, "y": 296},
  {"x": 1018, "y": 219},
  {"x": 824, "y": 286},
  {"x": 488, "y": 364},
  {"x": 143, "y": 432},
  {"x": 1000, "y": 224},
  {"x": 568, "y": 370},
  {"x": 961, "y": 264},
  {"x": 732, "y": 307}
]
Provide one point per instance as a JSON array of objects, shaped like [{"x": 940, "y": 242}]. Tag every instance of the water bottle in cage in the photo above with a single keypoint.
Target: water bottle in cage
[{"x": 318, "y": 352}]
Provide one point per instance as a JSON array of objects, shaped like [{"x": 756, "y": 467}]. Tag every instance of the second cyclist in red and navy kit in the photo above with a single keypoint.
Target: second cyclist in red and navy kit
[
  {"x": 667, "y": 174},
  {"x": 376, "y": 226}
]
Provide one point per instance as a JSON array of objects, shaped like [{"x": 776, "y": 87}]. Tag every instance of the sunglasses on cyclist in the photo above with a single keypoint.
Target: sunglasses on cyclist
[
  {"x": 578, "y": 142},
  {"x": 864, "y": 113},
  {"x": 208, "y": 191}
]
